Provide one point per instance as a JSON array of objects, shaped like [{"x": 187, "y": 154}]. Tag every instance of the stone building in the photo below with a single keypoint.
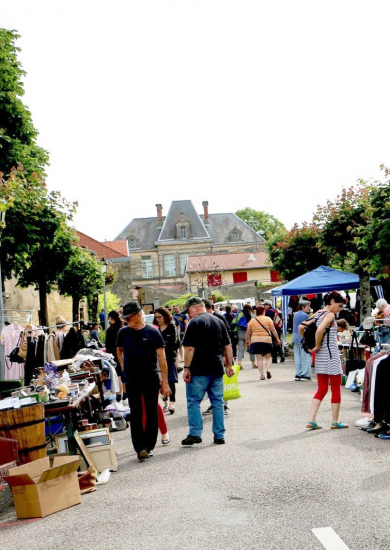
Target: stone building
[{"x": 160, "y": 246}]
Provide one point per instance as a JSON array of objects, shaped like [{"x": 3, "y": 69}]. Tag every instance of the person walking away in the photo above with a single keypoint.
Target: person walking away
[
  {"x": 115, "y": 324},
  {"x": 258, "y": 337},
  {"x": 205, "y": 343},
  {"x": 164, "y": 321},
  {"x": 233, "y": 335},
  {"x": 328, "y": 362},
  {"x": 241, "y": 323},
  {"x": 278, "y": 323},
  {"x": 139, "y": 346},
  {"x": 301, "y": 358},
  {"x": 182, "y": 319}
]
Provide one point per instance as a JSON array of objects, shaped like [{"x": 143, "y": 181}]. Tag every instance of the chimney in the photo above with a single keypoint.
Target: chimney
[
  {"x": 205, "y": 205},
  {"x": 159, "y": 214}
]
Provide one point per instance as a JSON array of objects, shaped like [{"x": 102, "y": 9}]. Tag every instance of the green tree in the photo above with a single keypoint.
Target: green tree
[
  {"x": 81, "y": 276},
  {"x": 36, "y": 242},
  {"x": 18, "y": 136},
  {"x": 113, "y": 301},
  {"x": 261, "y": 221},
  {"x": 345, "y": 227},
  {"x": 297, "y": 252}
]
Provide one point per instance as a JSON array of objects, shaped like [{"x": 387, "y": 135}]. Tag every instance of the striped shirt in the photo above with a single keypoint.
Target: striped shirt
[{"x": 328, "y": 357}]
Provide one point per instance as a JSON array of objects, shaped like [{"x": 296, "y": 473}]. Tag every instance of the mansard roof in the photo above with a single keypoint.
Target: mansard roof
[{"x": 183, "y": 211}]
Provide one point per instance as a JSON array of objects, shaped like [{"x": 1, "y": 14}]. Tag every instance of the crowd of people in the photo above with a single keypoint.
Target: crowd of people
[{"x": 204, "y": 342}]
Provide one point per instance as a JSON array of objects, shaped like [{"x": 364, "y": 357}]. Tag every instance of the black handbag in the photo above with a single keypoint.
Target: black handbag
[
  {"x": 15, "y": 356},
  {"x": 354, "y": 363},
  {"x": 368, "y": 339}
]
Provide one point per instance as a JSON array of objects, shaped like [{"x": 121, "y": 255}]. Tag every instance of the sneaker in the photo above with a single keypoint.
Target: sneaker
[
  {"x": 143, "y": 455},
  {"x": 119, "y": 407},
  {"x": 208, "y": 411},
  {"x": 297, "y": 378},
  {"x": 226, "y": 410},
  {"x": 150, "y": 454},
  {"x": 125, "y": 402},
  {"x": 305, "y": 378},
  {"x": 191, "y": 440},
  {"x": 219, "y": 441}
]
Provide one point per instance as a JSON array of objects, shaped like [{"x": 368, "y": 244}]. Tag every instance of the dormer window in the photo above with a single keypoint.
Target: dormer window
[
  {"x": 183, "y": 227},
  {"x": 132, "y": 241},
  {"x": 183, "y": 232},
  {"x": 235, "y": 235}
]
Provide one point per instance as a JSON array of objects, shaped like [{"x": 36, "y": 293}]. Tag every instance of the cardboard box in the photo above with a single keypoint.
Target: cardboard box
[
  {"x": 104, "y": 457},
  {"x": 45, "y": 486}
]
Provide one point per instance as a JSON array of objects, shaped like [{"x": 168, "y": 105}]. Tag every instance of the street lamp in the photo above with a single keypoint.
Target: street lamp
[{"x": 104, "y": 271}]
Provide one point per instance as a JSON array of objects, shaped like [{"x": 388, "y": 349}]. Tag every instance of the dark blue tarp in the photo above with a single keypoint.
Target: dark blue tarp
[{"x": 322, "y": 279}]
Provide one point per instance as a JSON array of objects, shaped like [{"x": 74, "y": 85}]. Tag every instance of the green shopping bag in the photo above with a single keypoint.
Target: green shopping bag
[{"x": 231, "y": 389}]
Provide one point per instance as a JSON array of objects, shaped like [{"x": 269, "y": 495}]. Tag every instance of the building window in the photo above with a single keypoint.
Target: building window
[
  {"x": 183, "y": 263},
  {"x": 169, "y": 265},
  {"x": 147, "y": 267},
  {"x": 183, "y": 232}
]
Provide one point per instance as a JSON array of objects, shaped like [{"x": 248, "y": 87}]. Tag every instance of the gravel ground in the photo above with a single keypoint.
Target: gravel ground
[{"x": 266, "y": 488}]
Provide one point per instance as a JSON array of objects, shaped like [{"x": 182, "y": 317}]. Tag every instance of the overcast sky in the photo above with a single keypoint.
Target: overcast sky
[{"x": 274, "y": 105}]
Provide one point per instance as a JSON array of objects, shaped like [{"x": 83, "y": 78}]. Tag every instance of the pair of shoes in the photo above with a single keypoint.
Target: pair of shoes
[
  {"x": 313, "y": 426},
  {"x": 226, "y": 410},
  {"x": 219, "y": 441},
  {"x": 208, "y": 411},
  {"x": 191, "y": 440},
  {"x": 297, "y": 378},
  {"x": 171, "y": 409},
  {"x": 269, "y": 375},
  {"x": 340, "y": 426},
  {"x": 166, "y": 441},
  {"x": 142, "y": 455},
  {"x": 376, "y": 428},
  {"x": 165, "y": 408},
  {"x": 180, "y": 369},
  {"x": 262, "y": 377},
  {"x": 282, "y": 359}
]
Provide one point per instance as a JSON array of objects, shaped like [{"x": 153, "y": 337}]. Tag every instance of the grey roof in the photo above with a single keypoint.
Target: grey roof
[
  {"x": 221, "y": 225},
  {"x": 144, "y": 231},
  {"x": 185, "y": 211}
]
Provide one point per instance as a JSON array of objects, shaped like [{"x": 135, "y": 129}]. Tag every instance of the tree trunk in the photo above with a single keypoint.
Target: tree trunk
[
  {"x": 365, "y": 295},
  {"x": 43, "y": 311},
  {"x": 94, "y": 308},
  {"x": 75, "y": 308}
]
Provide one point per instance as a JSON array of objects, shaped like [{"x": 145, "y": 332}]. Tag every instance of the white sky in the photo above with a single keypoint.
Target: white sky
[{"x": 270, "y": 104}]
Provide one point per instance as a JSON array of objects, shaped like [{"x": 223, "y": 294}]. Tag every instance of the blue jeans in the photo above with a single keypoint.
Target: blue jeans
[
  {"x": 195, "y": 391},
  {"x": 302, "y": 361}
]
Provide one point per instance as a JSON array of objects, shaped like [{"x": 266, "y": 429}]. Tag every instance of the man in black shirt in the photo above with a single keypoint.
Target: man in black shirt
[
  {"x": 138, "y": 347},
  {"x": 205, "y": 343}
]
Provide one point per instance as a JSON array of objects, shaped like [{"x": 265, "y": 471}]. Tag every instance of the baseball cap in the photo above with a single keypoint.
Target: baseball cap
[
  {"x": 368, "y": 323},
  {"x": 267, "y": 302},
  {"x": 192, "y": 301}
]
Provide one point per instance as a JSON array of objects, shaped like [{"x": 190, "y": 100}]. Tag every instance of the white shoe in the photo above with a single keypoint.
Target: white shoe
[
  {"x": 125, "y": 402},
  {"x": 119, "y": 407},
  {"x": 362, "y": 422}
]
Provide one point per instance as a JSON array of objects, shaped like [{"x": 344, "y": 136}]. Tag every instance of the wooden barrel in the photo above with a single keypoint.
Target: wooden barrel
[{"x": 27, "y": 426}]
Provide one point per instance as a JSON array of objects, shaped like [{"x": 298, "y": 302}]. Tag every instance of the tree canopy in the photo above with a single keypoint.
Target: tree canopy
[
  {"x": 18, "y": 136},
  {"x": 261, "y": 221}
]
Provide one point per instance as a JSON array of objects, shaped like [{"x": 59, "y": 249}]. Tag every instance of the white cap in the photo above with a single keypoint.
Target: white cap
[{"x": 368, "y": 323}]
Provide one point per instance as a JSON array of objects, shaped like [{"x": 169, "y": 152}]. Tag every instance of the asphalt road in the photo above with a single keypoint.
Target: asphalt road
[{"x": 267, "y": 488}]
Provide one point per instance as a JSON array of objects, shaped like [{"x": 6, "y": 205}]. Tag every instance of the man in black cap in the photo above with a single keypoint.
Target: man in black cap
[
  {"x": 205, "y": 343},
  {"x": 139, "y": 345}
]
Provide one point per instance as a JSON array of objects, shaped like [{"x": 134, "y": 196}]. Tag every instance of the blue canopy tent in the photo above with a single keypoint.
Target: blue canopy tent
[{"x": 322, "y": 279}]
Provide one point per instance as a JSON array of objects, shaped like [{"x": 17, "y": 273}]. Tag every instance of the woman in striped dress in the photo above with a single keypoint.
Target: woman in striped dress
[{"x": 327, "y": 363}]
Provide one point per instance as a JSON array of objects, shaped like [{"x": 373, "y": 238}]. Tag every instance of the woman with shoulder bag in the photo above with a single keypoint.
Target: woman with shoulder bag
[{"x": 259, "y": 335}]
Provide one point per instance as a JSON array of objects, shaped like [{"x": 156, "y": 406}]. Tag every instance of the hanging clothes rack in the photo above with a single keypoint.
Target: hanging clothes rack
[{"x": 55, "y": 326}]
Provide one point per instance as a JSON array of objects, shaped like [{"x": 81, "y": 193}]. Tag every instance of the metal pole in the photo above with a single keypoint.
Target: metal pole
[
  {"x": 2, "y": 358},
  {"x": 105, "y": 305}
]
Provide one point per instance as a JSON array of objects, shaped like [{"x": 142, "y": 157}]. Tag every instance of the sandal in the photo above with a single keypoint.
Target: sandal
[
  {"x": 165, "y": 408},
  {"x": 262, "y": 377},
  {"x": 338, "y": 426},
  {"x": 269, "y": 375},
  {"x": 313, "y": 426}
]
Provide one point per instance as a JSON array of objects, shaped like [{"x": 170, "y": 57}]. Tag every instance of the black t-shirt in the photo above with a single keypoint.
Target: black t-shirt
[
  {"x": 180, "y": 318},
  {"x": 171, "y": 340},
  {"x": 139, "y": 350},
  {"x": 208, "y": 335},
  {"x": 224, "y": 320}
]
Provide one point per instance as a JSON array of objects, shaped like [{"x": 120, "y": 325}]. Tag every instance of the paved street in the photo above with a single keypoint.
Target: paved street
[{"x": 267, "y": 488}]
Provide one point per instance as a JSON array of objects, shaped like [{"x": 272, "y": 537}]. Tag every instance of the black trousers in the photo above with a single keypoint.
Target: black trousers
[
  {"x": 277, "y": 349},
  {"x": 382, "y": 392},
  {"x": 148, "y": 388}
]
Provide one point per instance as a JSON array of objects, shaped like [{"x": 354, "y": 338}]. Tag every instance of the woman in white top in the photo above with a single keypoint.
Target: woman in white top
[{"x": 327, "y": 362}]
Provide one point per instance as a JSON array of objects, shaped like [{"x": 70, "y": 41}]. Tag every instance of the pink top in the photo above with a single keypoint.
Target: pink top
[{"x": 9, "y": 339}]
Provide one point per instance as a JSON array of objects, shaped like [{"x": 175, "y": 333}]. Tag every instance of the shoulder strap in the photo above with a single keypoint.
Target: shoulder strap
[{"x": 267, "y": 331}]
